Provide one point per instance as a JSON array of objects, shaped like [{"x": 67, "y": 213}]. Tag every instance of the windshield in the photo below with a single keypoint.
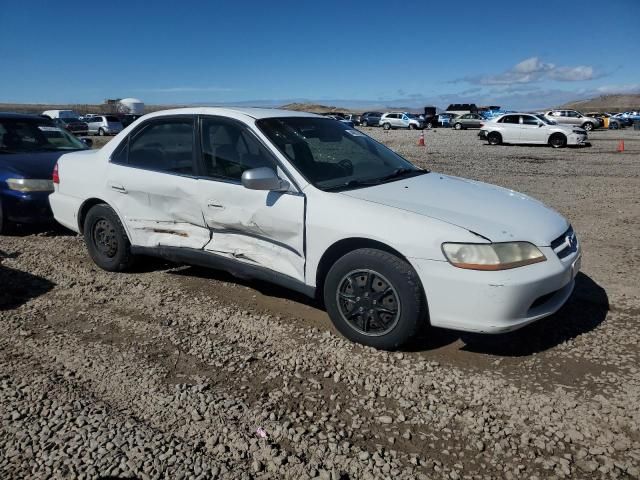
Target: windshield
[
  {"x": 20, "y": 136},
  {"x": 334, "y": 156},
  {"x": 545, "y": 119}
]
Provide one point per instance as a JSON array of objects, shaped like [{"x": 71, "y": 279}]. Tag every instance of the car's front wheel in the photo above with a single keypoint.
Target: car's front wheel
[
  {"x": 412, "y": 126},
  {"x": 558, "y": 140},
  {"x": 106, "y": 239},
  {"x": 458, "y": 126},
  {"x": 365, "y": 123},
  {"x": 375, "y": 298},
  {"x": 588, "y": 126},
  {"x": 494, "y": 138}
]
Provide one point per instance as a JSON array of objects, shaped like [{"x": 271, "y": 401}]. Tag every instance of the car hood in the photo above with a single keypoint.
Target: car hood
[
  {"x": 496, "y": 213},
  {"x": 31, "y": 165}
]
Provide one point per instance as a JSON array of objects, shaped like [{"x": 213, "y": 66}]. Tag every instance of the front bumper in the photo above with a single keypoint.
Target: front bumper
[
  {"x": 577, "y": 139},
  {"x": 19, "y": 207},
  {"x": 496, "y": 302}
]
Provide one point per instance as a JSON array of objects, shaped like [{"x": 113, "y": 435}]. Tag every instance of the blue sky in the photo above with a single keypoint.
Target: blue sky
[{"x": 409, "y": 53}]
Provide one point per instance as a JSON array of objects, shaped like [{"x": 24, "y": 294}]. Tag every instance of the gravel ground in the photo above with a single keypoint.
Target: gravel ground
[{"x": 179, "y": 372}]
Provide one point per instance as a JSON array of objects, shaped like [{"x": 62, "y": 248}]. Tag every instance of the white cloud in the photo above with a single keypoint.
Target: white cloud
[
  {"x": 532, "y": 70},
  {"x": 572, "y": 74},
  {"x": 186, "y": 89},
  {"x": 624, "y": 88}
]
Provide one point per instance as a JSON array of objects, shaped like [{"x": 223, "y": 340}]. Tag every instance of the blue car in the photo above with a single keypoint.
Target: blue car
[{"x": 30, "y": 146}]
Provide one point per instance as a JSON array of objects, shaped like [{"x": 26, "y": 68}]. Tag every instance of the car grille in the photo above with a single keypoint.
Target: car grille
[{"x": 565, "y": 244}]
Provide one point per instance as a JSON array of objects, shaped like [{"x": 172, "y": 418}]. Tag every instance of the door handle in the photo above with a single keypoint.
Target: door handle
[
  {"x": 214, "y": 204},
  {"x": 118, "y": 188}
]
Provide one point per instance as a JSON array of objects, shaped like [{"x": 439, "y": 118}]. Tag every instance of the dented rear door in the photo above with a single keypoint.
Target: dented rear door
[{"x": 152, "y": 185}]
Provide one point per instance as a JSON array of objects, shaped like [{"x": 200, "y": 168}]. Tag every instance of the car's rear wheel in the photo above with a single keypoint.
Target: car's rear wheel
[
  {"x": 588, "y": 126},
  {"x": 494, "y": 138},
  {"x": 375, "y": 298},
  {"x": 614, "y": 126},
  {"x": 106, "y": 239},
  {"x": 428, "y": 125},
  {"x": 557, "y": 140},
  {"x": 365, "y": 123},
  {"x": 101, "y": 132},
  {"x": 458, "y": 126},
  {"x": 387, "y": 126}
]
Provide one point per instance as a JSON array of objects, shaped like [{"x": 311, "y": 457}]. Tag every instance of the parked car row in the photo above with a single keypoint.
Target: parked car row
[
  {"x": 90, "y": 124},
  {"x": 297, "y": 199}
]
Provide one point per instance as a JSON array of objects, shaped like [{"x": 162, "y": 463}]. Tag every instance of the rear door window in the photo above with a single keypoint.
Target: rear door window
[
  {"x": 164, "y": 146},
  {"x": 510, "y": 119}
]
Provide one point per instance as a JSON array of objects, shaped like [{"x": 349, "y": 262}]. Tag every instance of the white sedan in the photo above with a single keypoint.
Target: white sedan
[
  {"x": 313, "y": 204},
  {"x": 530, "y": 128}
]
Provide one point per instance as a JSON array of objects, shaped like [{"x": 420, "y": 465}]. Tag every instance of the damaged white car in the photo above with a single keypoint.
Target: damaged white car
[{"x": 313, "y": 204}]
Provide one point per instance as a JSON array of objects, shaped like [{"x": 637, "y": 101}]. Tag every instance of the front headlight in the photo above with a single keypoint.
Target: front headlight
[
  {"x": 492, "y": 256},
  {"x": 30, "y": 185}
]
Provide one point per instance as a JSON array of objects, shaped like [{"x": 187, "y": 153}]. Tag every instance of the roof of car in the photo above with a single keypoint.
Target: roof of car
[
  {"x": 253, "y": 112},
  {"x": 23, "y": 116}
]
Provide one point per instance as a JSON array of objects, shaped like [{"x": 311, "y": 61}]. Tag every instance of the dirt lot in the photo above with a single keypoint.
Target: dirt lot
[{"x": 167, "y": 372}]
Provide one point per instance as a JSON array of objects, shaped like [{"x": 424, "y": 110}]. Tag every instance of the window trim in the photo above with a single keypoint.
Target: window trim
[{"x": 144, "y": 126}]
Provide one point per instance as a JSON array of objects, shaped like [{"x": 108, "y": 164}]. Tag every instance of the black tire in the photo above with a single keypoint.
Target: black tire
[
  {"x": 106, "y": 239},
  {"x": 389, "y": 319},
  {"x": 614, "y": 126},
  {"x": 494, "y": 138},
  {"x": 428, "y": 125},
  {"x": 588, "y": 126},
  {"x": 101, "y": 132},
  {"x": 558, "y": 140},
  {"x": 458, "y": 126},
  {"x": 365, "y": 124},
  {"x": 386, "y": 126},
  {"x": 412, "y": 126}
]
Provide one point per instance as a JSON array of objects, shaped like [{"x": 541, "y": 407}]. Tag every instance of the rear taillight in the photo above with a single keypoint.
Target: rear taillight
[{"x": 56, "y": 177}]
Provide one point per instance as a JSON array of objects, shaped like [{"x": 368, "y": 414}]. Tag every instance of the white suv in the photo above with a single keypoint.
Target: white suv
[
  {"x": 392, "y": 120},
  {"x": 530, "y": 128},
  {"x": 313, "y": 204}
]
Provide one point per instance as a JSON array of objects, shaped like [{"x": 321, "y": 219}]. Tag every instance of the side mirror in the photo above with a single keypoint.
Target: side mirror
[
  {"x": 540, "y": 124},
  {"x": 263, "y": 178},
  {"x": 87, "y": 141}
]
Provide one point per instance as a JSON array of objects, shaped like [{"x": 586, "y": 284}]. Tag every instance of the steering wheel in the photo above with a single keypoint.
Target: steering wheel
[{"x": 347, "y": 166}]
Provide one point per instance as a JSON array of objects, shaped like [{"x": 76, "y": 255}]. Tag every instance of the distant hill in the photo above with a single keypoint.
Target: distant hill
[
  {"x": 607, "y": 103},
  {"x": 313, "y": 108}
]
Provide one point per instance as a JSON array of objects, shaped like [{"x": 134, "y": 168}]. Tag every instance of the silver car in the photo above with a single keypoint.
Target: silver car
[
  {"x": 104, "y": 125},
  {"x": 573, "y": 117},
  {"x": 401, "y": 120}
]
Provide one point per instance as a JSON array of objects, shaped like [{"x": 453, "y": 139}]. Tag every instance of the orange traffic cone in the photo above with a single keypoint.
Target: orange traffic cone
[
  {"x": 421, "y": 140},
  {"x": 621, "y": 146}
]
